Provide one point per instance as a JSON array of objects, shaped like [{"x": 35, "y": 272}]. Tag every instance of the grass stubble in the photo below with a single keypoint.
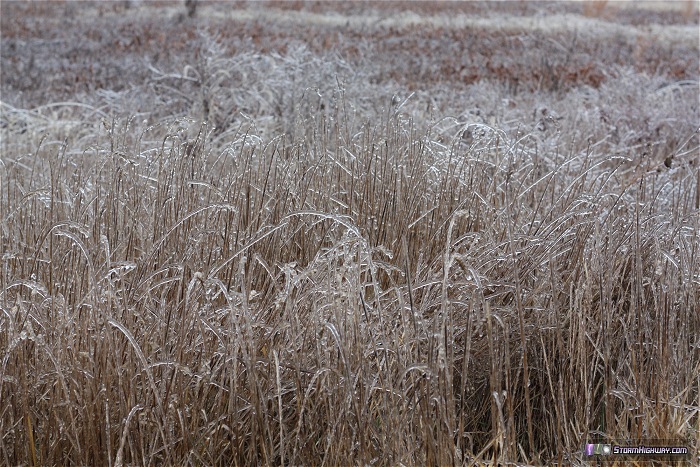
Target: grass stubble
[{"x": 347, "y": 286}]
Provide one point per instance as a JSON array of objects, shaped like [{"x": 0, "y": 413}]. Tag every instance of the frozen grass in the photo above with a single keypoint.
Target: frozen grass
[{"x": 335, "y": 274}]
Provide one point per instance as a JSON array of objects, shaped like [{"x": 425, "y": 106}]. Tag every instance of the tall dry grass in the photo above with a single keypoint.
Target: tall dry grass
[{"x": 340, "y": 286}]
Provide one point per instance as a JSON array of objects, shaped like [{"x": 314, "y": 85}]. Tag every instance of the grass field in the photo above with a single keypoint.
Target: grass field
[{"x": 395, "y": 233}]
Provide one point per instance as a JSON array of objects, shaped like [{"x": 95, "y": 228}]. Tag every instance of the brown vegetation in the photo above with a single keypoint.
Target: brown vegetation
[{"x": 228, "y": 243}]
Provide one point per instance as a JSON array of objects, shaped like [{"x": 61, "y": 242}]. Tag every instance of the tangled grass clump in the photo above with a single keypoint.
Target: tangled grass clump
[
  {"x": 289, "y": 258},
  {"x": 358, "y": 295}
]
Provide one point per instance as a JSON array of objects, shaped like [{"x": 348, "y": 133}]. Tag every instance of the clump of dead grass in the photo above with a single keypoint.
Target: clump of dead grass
[
  {"x": 337, "y": 278},
  {"x": 358, "y": 294}
]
